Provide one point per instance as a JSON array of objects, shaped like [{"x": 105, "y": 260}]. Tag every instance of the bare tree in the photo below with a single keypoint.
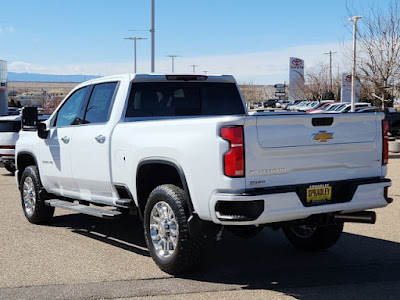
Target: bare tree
[
  {"x": 317, "y": 83},
  {"x": 378, "y": 42},
  {"x": 256, "y": 93}
]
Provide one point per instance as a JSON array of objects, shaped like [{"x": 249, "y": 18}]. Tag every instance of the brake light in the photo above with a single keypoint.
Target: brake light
[
  {"x": 7, "y": 147},
  {"x": 234, "y": 158},
  {"x": 385, "y": 143},
  {"x": 187, "y": 77}
]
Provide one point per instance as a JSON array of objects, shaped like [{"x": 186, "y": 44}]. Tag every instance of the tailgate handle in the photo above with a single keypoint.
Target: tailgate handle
[{"x": 322, "y": 121}]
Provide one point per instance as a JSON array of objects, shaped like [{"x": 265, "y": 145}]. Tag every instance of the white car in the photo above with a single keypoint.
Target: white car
[
  {"x": 311, "y": 105},
  {"x": 9, "y": 132},
  {"x": 9, "y": 128},
  {"x": 347, "y": 107},
  {"x": 299, "y": 105}
]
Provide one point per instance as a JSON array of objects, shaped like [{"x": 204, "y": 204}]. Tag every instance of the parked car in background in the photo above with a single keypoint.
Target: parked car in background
[
  {"x": 257, "y": 104},
  {"x": 321, "y": 104},
  {"x": 9, "y": 132},
  {"x": 291, "y": 103},
  {"x": 13, "y": 111},
  {"x": 284, "y": 104},
  {"x": 393, "y": 118},
  {"x": 329, "y": 107},
  {"x": 344, "y": 108},
  {"x": 270, "y": 103},
  {"x": 366, "y": 109},
  {"x": 309, "y": 106},
  {"x": 295, "y": 106}
]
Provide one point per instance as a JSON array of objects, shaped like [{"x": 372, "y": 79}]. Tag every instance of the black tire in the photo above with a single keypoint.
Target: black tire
[
  {"x": 245, "y": 232},
  {"x": 313, "y": 237},
  {"x": 10, "y": 168},
  {"x": 186, "y": 254},
  {"x": 32, "y": 197}
]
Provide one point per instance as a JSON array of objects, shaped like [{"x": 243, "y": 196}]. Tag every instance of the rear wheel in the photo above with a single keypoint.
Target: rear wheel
[
  {"x": 313, "y": 237},
  {"x": 166, "y": 230},
  {"x": 35, "y": 210},
  {"x": 9, "y": 167}
]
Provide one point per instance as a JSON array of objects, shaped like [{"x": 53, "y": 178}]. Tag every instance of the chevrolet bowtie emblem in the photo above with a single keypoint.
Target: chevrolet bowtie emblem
[{"x": 322, "y": 136}]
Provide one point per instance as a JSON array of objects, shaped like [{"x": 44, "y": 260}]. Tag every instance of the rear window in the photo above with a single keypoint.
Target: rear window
[
  {"x": 10, "y": 126},
  {"x": 152, "y": 99}
]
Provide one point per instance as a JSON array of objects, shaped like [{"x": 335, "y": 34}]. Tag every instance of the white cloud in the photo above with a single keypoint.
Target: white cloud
[
  {"x": 260, "y": 68},
  {"x": 4, "y": 29}
]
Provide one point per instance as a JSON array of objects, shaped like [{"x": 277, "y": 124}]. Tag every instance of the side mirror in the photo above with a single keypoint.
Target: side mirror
[
  {"x": 29, "y": 118},
  {"x": 43, "y": 133}
]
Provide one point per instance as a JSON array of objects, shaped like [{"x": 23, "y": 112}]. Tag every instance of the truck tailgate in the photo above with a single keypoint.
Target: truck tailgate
[{"x": 297, "y": 149}]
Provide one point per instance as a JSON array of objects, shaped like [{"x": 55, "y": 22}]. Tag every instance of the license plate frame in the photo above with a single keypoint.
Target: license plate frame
[{"x": 319, "y": 194}]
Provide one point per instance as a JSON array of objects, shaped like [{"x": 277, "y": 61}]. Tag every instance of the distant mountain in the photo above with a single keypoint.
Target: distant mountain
[{"x": 33, "y": 77}]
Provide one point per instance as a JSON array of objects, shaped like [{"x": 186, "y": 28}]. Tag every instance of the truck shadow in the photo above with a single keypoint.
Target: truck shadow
[
  {"x": 270, "y": 262},
  {"x": 125, "y": 233},
  {"x": 267, "y": 261}
]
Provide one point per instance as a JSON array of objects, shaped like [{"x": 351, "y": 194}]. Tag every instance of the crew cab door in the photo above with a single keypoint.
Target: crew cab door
[
  {"x": 90, "y": 146},
  {"x": 55, "y": 160}
]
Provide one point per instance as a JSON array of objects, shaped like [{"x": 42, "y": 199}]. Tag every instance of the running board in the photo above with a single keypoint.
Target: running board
[{"x": 84, "y": 209}]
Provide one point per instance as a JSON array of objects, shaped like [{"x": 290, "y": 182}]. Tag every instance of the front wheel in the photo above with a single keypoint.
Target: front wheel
[
  {"x": 166, "y": 230},
  {"x": 35, "y": 210},
  {"x": 313, "y": 237}
]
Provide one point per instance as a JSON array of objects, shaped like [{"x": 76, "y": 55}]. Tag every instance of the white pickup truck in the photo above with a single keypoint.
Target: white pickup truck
[{"x": 183, "y": 153}]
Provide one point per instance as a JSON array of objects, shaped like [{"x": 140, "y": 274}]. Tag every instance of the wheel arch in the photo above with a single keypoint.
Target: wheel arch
[
  {"x": 25, "y": 159},
  {"x": 164, "y": 167}
]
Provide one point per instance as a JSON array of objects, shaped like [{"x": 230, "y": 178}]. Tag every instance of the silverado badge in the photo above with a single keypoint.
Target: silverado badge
[{"x": 322, "y": 136}]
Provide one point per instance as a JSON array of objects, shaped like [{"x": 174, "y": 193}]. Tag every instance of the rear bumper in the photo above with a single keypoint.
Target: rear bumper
[
  {"x": 7, "y": 155},
  {"x": 284, "y": 204}
]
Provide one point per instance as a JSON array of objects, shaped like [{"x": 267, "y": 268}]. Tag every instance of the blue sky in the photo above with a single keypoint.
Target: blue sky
[{"x": 252, "y": 39}]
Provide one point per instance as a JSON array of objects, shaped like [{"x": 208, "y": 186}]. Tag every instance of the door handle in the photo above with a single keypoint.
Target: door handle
[
  {"x": 100, "y": 139},
  {"x": 65, "y": 139}
]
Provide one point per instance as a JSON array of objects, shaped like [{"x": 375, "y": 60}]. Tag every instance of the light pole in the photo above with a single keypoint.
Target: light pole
[
  {"x": 194, "y": 68},
  {"x": 353, "y": 73},
  {"x": 152, "y": 30},
  {"x": 172, "y": 58},
  {"x": 134, "y": 49}
]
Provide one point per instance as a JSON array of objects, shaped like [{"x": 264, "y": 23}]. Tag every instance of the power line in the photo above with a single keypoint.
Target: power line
[
  {"x": 194, "y": 68},
  {"x": 172, "y": 58},
  {"x": 330, "y": 69}
]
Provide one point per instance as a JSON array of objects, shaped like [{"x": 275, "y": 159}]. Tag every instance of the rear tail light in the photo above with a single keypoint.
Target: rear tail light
[
  {"x": 7, "y": 147},
  {"x": 234, "y": 158},
  {"x": 385, "y": 144}
]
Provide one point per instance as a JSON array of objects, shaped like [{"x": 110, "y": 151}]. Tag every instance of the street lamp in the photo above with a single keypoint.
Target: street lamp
[
  {"x": 134, "y": 49},
  {"x": 172, "y": 58},
  {"x": 152, "y": 31},
  {"x": 353, "y": 73}
]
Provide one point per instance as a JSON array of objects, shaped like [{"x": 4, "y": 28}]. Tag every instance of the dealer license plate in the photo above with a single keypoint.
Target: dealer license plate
[{"x": 319, "y": 193}]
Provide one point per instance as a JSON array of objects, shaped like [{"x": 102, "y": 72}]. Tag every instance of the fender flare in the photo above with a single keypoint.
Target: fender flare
[{"x": 176, "y": 166}]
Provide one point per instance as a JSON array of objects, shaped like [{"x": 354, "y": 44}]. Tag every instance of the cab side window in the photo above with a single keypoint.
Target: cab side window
[
  {"x": 71, "y": 109},
  {"x": 100, "y": 102}
]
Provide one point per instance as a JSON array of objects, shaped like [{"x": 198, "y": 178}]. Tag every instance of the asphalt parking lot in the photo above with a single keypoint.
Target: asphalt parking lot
[{"x": 82, "y": 257}]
